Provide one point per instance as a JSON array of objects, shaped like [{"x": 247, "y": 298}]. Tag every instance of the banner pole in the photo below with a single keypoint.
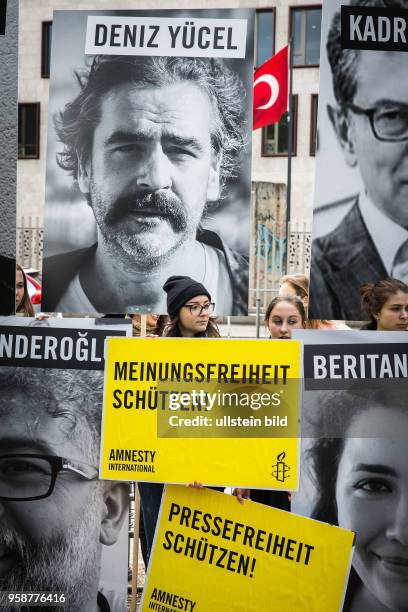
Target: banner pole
[
  {"x": 290, "y": 151},
  {"x": 143, "y": 325},
  {"x": 135, "y": 550},
  {"x": 258, "y": 316},
  {"x": 135, "y": 563}
]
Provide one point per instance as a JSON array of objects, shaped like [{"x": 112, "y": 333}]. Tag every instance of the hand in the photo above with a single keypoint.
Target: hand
[
  {"x": 242, "y": 494},
  {"x": 196, "y": 485}
]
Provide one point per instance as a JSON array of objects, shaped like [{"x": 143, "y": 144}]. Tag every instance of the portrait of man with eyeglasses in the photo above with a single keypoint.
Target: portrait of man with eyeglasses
[
  {"x": 55, "y": 515},
  {"x": 369, "y": 239}
]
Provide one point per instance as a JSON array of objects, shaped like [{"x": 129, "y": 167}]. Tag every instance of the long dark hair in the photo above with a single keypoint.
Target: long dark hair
[
  {"x": 374, "y": 296},
  {"x": 161, "y": 324},
  {"x": 25, "y": 307},
  {"x": 172, "y": 330}
]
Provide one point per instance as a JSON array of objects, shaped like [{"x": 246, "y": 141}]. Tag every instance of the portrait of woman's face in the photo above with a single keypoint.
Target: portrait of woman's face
[{"x": 372, "y": 500}]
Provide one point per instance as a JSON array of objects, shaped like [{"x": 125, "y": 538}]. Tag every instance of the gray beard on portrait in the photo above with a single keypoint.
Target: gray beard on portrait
[
  {"x": 68, "y": 563},
  {"x": 167, "y": 205}
]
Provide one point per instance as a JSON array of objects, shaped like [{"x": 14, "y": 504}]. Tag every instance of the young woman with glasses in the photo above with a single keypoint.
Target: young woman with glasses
[{"x": 190, "y": 309}]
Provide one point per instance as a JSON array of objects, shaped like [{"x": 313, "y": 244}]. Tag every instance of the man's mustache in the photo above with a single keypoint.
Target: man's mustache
[{"x": 165, "y": 204}]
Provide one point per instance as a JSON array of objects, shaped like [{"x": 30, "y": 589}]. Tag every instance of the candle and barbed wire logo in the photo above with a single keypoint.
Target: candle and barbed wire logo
[{"x": 280, "y": 469}]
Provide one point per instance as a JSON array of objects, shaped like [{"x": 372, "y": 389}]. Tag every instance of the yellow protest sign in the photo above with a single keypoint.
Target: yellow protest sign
[
  {"x": 212, "y": 553},
  {"x": 223, "y": 412}
]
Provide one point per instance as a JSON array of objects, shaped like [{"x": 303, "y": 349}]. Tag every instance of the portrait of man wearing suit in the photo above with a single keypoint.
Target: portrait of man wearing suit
[{"x": 370, "y": 120}]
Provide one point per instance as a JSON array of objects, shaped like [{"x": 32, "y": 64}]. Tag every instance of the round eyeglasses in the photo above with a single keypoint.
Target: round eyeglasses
[{"x": 196, "y": 309}]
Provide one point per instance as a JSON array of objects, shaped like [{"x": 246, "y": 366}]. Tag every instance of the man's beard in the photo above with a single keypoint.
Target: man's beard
[
  {"x": 68, "y": 563},
  {"x": 147, "y": 252}
]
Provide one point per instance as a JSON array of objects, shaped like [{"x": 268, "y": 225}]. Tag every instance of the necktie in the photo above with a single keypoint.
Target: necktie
[{"x": 400, "y": 266}]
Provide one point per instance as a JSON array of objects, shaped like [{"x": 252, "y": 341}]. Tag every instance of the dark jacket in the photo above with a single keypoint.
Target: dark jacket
[
  {"x": 59, "y": 270},
  {"x": 342, "y": 261}
]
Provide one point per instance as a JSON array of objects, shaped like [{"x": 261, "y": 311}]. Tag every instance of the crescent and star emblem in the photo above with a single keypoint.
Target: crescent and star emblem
[{"x": 273, "y": 85}]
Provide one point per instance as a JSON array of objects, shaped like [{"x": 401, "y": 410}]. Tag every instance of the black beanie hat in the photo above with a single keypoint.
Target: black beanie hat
[{"x": 179, "y": 290}]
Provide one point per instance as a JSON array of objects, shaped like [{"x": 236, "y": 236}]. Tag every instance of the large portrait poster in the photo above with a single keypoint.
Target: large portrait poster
[
  {"x": 212, "y": 553},
  {"x": 220, "y": 412},
  {"x": 354, "y": 461},
  {"x": 63, "y": 533},
  {"x": 148, "y": 158},
  {"x": 8, "y": 158},
  {"x": 360, "y": 216}
]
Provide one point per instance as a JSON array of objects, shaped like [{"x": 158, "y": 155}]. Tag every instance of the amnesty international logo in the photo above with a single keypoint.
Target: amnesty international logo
[{"x": 280, "y": 469}]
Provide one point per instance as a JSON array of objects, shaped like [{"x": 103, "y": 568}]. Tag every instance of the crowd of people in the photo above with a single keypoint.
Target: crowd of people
[{"x": 384, "y": 302}]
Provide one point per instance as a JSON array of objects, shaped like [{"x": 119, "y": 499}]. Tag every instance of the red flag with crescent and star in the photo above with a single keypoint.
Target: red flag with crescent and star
[{"x": 271, "y": 90}]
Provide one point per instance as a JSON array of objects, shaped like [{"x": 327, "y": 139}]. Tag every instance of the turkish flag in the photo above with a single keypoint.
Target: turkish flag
[{"x": 271, "y": 90}]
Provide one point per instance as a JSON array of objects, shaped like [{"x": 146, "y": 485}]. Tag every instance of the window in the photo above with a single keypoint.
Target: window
[
  {"x": 275, "y": 136},
  {"x": 305, "y": 27},
  {"x": 46, "y": 49},
  {"x": 314, "y": 136},
  {"x": 264, "y": 35},
  {"x": 29, "y": 131}
]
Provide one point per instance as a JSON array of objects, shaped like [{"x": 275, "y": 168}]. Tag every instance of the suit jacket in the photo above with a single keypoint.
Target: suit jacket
[
  {"x": 342, "y": 261},
  {"x": 59, "y": 270}
]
